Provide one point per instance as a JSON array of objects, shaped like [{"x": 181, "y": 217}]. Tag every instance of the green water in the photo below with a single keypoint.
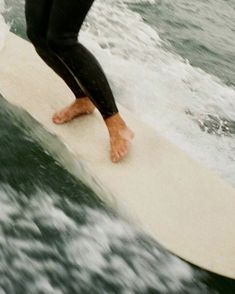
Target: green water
[{"x": 201, "y": 31}]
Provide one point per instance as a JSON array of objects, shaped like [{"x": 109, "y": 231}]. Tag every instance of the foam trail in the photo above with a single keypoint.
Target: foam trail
[
  {"x": 141, "y": 1},
  {"x": 81, "y": 247}
]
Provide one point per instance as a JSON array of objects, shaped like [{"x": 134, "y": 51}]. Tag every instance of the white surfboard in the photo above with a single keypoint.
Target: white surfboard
[{"x": 185, "y": 207}]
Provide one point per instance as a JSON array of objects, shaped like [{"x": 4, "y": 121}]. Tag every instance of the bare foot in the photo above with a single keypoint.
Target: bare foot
[
  {"x": 79, "y": 107},
  {"x": 120, "y": 137}
]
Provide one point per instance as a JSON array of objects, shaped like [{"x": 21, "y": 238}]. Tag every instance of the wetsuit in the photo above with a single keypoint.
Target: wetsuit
[{"x": 53, "y": 27}]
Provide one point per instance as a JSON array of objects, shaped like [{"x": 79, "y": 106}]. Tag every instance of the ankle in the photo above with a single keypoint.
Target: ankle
[
  {"x": 115, "y": 122},
  {"x": 83, "y": 100},
  {"x": 84, "y": 103}
]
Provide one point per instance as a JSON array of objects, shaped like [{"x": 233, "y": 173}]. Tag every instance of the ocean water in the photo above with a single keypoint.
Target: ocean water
[{"x": 56, "y": 236}]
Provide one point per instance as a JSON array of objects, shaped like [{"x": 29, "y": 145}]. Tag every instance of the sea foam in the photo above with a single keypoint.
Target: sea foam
[{"x": 161, "y": 87}]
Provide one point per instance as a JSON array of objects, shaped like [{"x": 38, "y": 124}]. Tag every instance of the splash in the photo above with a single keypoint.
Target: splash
[{"x": 180, "y": 101}]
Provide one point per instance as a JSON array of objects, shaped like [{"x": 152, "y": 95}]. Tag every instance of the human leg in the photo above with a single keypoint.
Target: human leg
[
  {"x": 97, "y": 86},
  {"x": 37, "y": 13},
  {"x": 66, "y": 19}
]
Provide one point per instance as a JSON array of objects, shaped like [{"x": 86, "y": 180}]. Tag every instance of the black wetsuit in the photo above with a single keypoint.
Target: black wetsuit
[{"x": 53, "y": 27}]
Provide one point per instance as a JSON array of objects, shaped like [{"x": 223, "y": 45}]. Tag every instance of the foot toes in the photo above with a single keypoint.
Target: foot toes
[
  {"x": 114, "y": 158},
  {"x": 79, "y": 107},
  {"x": 57, "y": 119},
  {"x": 119, "y": 154},
  {"x": 122, "y": 152}
]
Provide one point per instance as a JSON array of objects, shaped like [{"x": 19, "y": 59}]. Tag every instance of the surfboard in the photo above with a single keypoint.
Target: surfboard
[{"x": 185, "y": 207}]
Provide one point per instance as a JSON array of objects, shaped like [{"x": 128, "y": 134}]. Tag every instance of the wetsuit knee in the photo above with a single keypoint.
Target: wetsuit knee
[
  {"x": 36, "y": 38},
  {"x": 59, "y": 42}
]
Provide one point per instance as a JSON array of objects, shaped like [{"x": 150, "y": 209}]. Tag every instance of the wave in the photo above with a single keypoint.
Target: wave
[
  {"x": 163, "y": 89},
  {"x": 59, "y": 246}
]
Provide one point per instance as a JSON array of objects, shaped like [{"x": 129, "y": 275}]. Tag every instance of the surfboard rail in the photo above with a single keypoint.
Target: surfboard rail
[{"x": 185, "y": 207}]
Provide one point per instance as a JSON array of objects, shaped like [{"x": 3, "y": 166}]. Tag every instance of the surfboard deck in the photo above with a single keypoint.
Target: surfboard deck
[{"x": 185, "y": 207}]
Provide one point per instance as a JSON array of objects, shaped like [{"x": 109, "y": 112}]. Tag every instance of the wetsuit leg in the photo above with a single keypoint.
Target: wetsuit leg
[
  {"x": 65, "y": 21},
  {"x": 37, "y": 13}
]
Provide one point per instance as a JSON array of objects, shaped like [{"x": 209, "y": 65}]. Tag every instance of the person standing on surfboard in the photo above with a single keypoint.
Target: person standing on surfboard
[{"x": 53, "y": 27}]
